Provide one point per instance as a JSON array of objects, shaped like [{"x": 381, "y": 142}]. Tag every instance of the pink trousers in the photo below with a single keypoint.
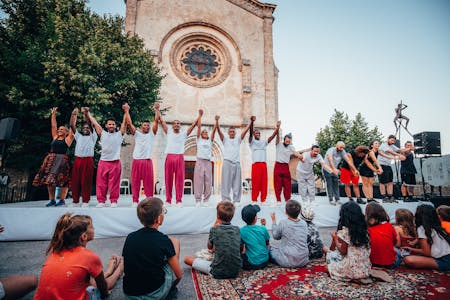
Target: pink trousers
[
  {"x": 174, "y": 167},
  {"x": 108, "y": 177},
  {"x": 141, "y": 169}
]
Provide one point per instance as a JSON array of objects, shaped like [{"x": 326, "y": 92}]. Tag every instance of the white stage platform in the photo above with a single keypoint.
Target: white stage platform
[{"x": 34, "y": 221}]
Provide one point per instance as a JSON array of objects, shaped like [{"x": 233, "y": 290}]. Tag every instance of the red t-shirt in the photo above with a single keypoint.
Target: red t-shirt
[
  {"x": 66, "y": 275},
  {"x": 382, "y": 241}
]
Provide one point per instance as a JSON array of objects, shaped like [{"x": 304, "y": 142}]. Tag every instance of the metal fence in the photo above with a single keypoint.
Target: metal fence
[{"x": 12, "y": 194}]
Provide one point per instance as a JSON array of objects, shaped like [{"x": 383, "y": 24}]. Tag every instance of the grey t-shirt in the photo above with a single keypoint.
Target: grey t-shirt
[
  {"x": 337, "y": 156},
  {"x": 227, "y": 261},
  {"x": 383, "y": 148},
  {"x": 293, "y": 248},
  {"x": 305, "y": 167}
]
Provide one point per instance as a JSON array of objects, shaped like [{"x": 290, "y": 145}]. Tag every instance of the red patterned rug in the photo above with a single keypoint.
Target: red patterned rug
[{"x": 313, "y": 282}]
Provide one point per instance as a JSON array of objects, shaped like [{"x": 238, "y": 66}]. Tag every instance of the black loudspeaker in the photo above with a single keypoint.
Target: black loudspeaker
[
  {"x": 428, "y": 142},
  {"x": 9, "y": 129}
]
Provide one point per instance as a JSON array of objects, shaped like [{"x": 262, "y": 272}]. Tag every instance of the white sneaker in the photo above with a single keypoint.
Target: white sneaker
[
  {"x": 237, "y": 204},
  {"x": 85, "y": 205},
  {"x": 179, "y": 205},
  {"x": 205, "y": 204},
  {"x": 197, "y": 204},
  {"x": 74, "y": 204},
  {"x": 114, "y": 205},
  {"x": 100, "y": 205},
  {"x": 279, "y": 203},
  {"x": 134, "y": 204}
]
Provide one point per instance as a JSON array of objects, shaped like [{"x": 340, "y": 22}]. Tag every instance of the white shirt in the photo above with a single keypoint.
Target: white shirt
[
  {"x": 440, "y": 246},
  {"x": 283, "y": 154},
  {"x": 111, "y": 144},
  {"x": 204, "y": 148},
  {"x": 385, "y": 147},
  {"x": 258, "y": 148},
  {"x": 143, "y": 145},
  {"x": 232, "y": 148},
  {"x": 175, "y": 141},
  {"x": 306, "y": 167},
  {"x": 85, "y": 144}
]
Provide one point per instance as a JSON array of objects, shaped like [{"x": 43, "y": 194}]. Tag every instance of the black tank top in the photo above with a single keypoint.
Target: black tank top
[
  {"x": 58, "y": 147},
  {"x": 356, "y": 161}
]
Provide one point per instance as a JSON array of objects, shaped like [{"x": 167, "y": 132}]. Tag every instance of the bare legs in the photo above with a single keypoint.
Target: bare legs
[
  {"x": 367, "y": 186},
  {"x": 18, "y": 286}
]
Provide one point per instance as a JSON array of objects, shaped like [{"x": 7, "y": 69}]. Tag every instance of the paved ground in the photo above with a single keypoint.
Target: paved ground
[{"x": 28, "y": 257}]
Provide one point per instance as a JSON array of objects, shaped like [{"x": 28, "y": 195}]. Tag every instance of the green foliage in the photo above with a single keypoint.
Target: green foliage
[
  {"x": 352, "y": 132},
  {"x": 59, "y": 53}
]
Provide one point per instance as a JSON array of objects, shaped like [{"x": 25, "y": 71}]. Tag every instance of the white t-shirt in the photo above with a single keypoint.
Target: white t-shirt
[
  {"x": 384, "y": 147},
  {"x": 85, "y": 144},
  {"x": 143, "y": 145},
  {"x": 232, "y": 148},
  {"x": 440, "y": 246},
  {"x": 204, "y": 148},
  {"x": 306, "y": 167},
  {"x": 283, "y": 154},
  {"x": 258, "y": 148},
  {"x": 111, "y": 144},
  {"x": 175, "y": 141}
]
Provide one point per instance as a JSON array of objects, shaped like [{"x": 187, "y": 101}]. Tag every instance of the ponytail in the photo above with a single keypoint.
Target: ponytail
[{"x": 68, "y": 231}]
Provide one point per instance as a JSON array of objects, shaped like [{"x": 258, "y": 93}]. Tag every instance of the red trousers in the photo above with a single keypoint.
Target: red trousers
[
  {"x": 82, "y": 174},
  {"x": 141, "y": 169},
  {"x": 259, "y": 181},
  {"x": 108, "y": 177},
  {"x": 174, "y": 168},
  {"x": 282, "y": 181}
]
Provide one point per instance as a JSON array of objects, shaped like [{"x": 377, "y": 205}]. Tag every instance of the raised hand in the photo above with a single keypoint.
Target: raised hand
[
  {"x": 200, "y": 112},
  {"x": 53, "y": 110},
  {"x": 75, "y": 111},
  {"x": 278, "y": 124},
  {"x": 156, "y": 106},
  {"x": 217, "y": 118},
  {"x": 252, "y": 118},
  {"x": 125, "y": 107}
]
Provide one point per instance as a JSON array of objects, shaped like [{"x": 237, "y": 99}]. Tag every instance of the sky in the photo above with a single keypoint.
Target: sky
[{"x": 357, "y": 56}]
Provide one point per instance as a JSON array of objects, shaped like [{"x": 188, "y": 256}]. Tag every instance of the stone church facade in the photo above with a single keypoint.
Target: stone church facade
[{"x": 216, "y": 55}]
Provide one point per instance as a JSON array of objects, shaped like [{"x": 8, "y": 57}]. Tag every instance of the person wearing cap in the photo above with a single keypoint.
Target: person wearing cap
[
  {"x": 258, "y": 148},
  {"x": 315, "y": 244},
  {"x": 255, "y": 239},
  {"x": 292, "y": 251},
  {"x": 281, "y": 173}
]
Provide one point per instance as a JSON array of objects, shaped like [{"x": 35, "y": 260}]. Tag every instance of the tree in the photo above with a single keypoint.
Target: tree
[
  {"x": 59, "y": 53},
  {"x": 352, "y": 132}
]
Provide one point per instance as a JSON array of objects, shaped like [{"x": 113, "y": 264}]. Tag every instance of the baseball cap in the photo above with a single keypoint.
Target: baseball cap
[
  {"x": 249, "y": 213},
  {"x": 307, "y": 213}
]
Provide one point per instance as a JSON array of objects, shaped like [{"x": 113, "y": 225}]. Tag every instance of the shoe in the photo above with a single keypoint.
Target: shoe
[
  {"x": 393, "y": 200},
  {"x": 85, "y": 205},
  {"x": 51, "y": 203},
  {"x": 205, "y": 204},
  {"x": 386, "y": 200},
  {"x": 75, "y": 204},
  {"x": 134, "y": 204},
  {"x": 351, "y": 199},
  {"x": 100, "y": 205},
  {"x": 332, "y": 203},
  {"x": 382, "y": 275},
  {"x": 168, "y": 204},
  {"x": 371, "y": 200},
  {"x": 279, "y": 203},
  {"x": 197, "y": 204},
  {"x": 360, "y": 201},
  {"x": 338, "y": 201},
  {"x": 61, "y": 203},
  {"x": 114, "y": 205},
  {"x": 179, "y": 205},
  {"x": 237, "y": 204}
]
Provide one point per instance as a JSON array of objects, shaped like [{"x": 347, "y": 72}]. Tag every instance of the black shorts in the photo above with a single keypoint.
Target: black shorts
[
  {"x": 409, "y": 179},
  {"x": 365, "y": 171},
  {"x": 387, "y": 176}
]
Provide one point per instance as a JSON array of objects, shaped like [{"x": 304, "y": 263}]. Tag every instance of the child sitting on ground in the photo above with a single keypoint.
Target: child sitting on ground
[
  {"x": 225, "y": 240},
  {"x": 255, "y": 239},
  {"x": 443, "y": 212},
  {"x": 406, "y": 230},
  {"x": 292, "y": 251},
  {"x": 315, "y": 245},
  {"x": 151, "y": 258},
  {"x": 434, "y": 242},
  {"x": 383, "y": 237},
  {"x": 349, "y": 255},
  {"x": 68, "y": 255}
]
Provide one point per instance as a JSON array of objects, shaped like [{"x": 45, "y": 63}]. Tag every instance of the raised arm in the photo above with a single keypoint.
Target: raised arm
[
  {"x": 73, "y": 120},
  {"x": 277, "y": 140},
  {"x": 218, "y": 127},
  {"x": 54, "y": 126},
  {"x": 128, "y": 122},
  {"x": 94, "y": 122},
  {"x": 200, "y": 114},
  {"x": 85, "y": 111},
  {"x": 126, "y": 111},
  {"x": 157, "y": 116},
  {"x": 275, "y": 132},
  {"x": 213, "y": 132},
  {"x": 199, "y": 126},
  {"x": 163, "y": 124},
  {"x": 246, "y": 129}
]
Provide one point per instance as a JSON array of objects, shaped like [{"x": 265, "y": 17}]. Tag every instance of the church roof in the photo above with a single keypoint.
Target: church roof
[{"x": 258, "y": 8}]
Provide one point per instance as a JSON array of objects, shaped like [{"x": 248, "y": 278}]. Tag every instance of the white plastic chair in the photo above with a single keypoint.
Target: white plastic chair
[
  {"x": 125, "y": 185},
  {"x": 188, "y": 184},
  {"x": 245, "y": 186}
]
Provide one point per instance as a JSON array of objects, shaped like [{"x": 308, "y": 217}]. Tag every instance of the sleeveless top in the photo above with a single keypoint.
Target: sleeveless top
[
  {"x": 59, "y": 147},
  {"x": 356, "y": 161}
]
